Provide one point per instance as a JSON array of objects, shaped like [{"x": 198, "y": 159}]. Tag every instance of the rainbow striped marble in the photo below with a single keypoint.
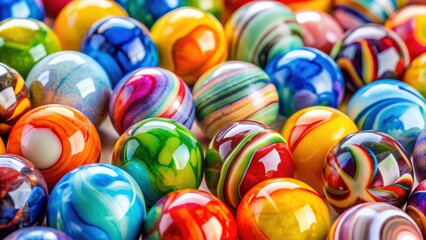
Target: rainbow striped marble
[
  {"x": 282, "y": 208},
  {"x": 14, "y": 98},
  {"x": 234, "y": 91},
  {"x": 38, "y": 233},
  {"x": 151, "y": 92},
  {"x": 374, "y": 221},
  {"x": 162, "y": 156},
  {"x": 416, "y": 206},
  {"x": 57, "y": 139},
  {"x": 306, "y": 77},
  {"x": 369, "y": 53},
  {"x": 354, "y": 13},
  {"x": 259, "y": 31},
  {"x": 415, "y": 74},
  {"x": 419, "y": 156},
  {"x": 190, "y": 214},
  {"x": 392, "y": 107},
  {"x": 242, "y": 155},
  {"x": 367, "y": 166},
  {"x": 97, "y": 201}
]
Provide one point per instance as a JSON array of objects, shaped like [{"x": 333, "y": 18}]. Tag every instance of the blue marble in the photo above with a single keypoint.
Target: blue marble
[
  {"x": 392, "y": 107},
  {"x": 120, "y": 45},
  {"x": 97, "y": 201},
  {"x": 38, "y": 233},
  {"x": 22, "y": 9},
  {"x": 306, "y": 77},
  {"x": 419, "y": 156},
  {"x": 72, "y": 79}
]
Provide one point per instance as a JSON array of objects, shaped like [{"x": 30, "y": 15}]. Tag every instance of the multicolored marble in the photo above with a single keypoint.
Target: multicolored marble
[
  {"x": 415, "y": 74},
  {"x": 83, "y": 14},
  {"x": 243, "y": 154},
  {"x": 320, "y": 30},
  {"x": 97, "y": 201},
  {"x": 57, "y": 139},
  {"x": 190, "y": 214},
  {"x": 24, "y": 42},
  {"x": 120, "y": 45},
  {"x": 392, "y": 107},
  {"x": 282, "y": 207},
  {"x": 367, "y": 166},
  {"x": 214, "y": 7},
  {"x": 38, "y": 233},
  {"x": 161, "y": 155},
  {"x": 354, "y": 13},
  {"x": 310, "y": 133},
  {"x": 306, "y": 77},
  {"x": 14, "y": 98},
  {"x": 2, "y": 146},
  {"x": 374, "y": 221},
  {"x": 151, "y": 92},
  {"x": 190, "y": 42},
  {"x": 73, "y": 79},
  {"x": 419, "y": 156},
  {"x": 409, "y": 23},
  {"x": 416, "y": 207},
  {"x": 21, "y": 9},
  {"x": 260, "y": 31},
  {"x": 53, "y": 7},
  {"x": 23, "y": 194},
  {"x": 234, "y": 91},
  {"x": 368, "y": 53}
]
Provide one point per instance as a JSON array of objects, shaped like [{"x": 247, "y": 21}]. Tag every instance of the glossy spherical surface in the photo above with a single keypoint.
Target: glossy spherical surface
[
  {"x": 84, "y": 13},
  {"x": 190, "y": 214},
  {"x": 416, "y": 206},
  {"x": 73, "y": 79},
  {"x": 22, "y": 9},
  {"x": 234, "y": 91},
  {"x": 120, "y": 45},
  {"x": 24, "y": 42},
  {"x": 369, "y": 53},
  {"x": 242, "y": 155},
  {"x": 320, "y": 30},
  {"x": 392, "y": 107},
  {"x": 97, "y": 201},
  {"x": 151, "y": 92},
  {"x": 38, "y": 233},
  {"x": 57, "y": 139},
  {"x": 410, "y": 24},
  {"x": 415, "y": 74},
  {"x": 53, "y": 7},
  {"x": 310, "y": 133},
  {"x": 374, "y": 221},
  {"x": 419, "y": 156},
  {"x": 282, "y": 207},
  {"x": 190, "y": 42},
  {"x": 161, "y": 155},
  {"x": 306, "y": 77},
  {"x": 23, "y": 194},
  {"x": 15, "y": 100},
  {"x": 260, "y": 31},
  {"x": 367, "y": 166}
]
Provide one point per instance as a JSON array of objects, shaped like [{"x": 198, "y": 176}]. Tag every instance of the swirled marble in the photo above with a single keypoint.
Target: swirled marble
[
  {"x": 415, "y": 74},
  {"x": 97, "y": 201},
  {"x": 419, "y": 156},
  {"x": 22, "y": 9},
  {"x": 38, "y": 233},
  {"x": 416, "y": 206}
]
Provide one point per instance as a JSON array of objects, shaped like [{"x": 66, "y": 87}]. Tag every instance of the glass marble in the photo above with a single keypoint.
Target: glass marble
[
  {"x": 374, "y": 221},
  {"x": 120, "y": 45},
  {"x": 306, "y": 77},
  {"x": 282, "y": 208},
  {"x": 23, "y": 194},
  {"x": 190, "y": 214},
  {"x": 73, "y": 79},
  {"x": 38, "y": 233},
  {"x": 243, "y": 154},
  {"x": 24, "y": 42},
  {"x": 190, "y": 41},
  {"x": 21, "y": 9},
  {"x": 320, "y": 30},
  {"x": 83, "y": 13},
  {"x": 14, "y": 98},
  {"x": 367, "y": 166},
  {"x": 57, "y": 139},
  {"x": 97, "y": 201},
  {"x": 416, "y": 206},
  {"x": 392, "y": 107},
  {"x": 415, "y": 74},
  {"x": 161, "y": 155},
  {"x": 151, "y": 92},
  {"x": 2, "y": 146},
  {"x": 260, "y": 31},
  {"x": 214, "y": 7},
  {"x": 234, "y": 91},
  {"x": 53, "y": 7},
  {"x": 419, "y": 156},
  {"x": 368, "y": 53}
]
